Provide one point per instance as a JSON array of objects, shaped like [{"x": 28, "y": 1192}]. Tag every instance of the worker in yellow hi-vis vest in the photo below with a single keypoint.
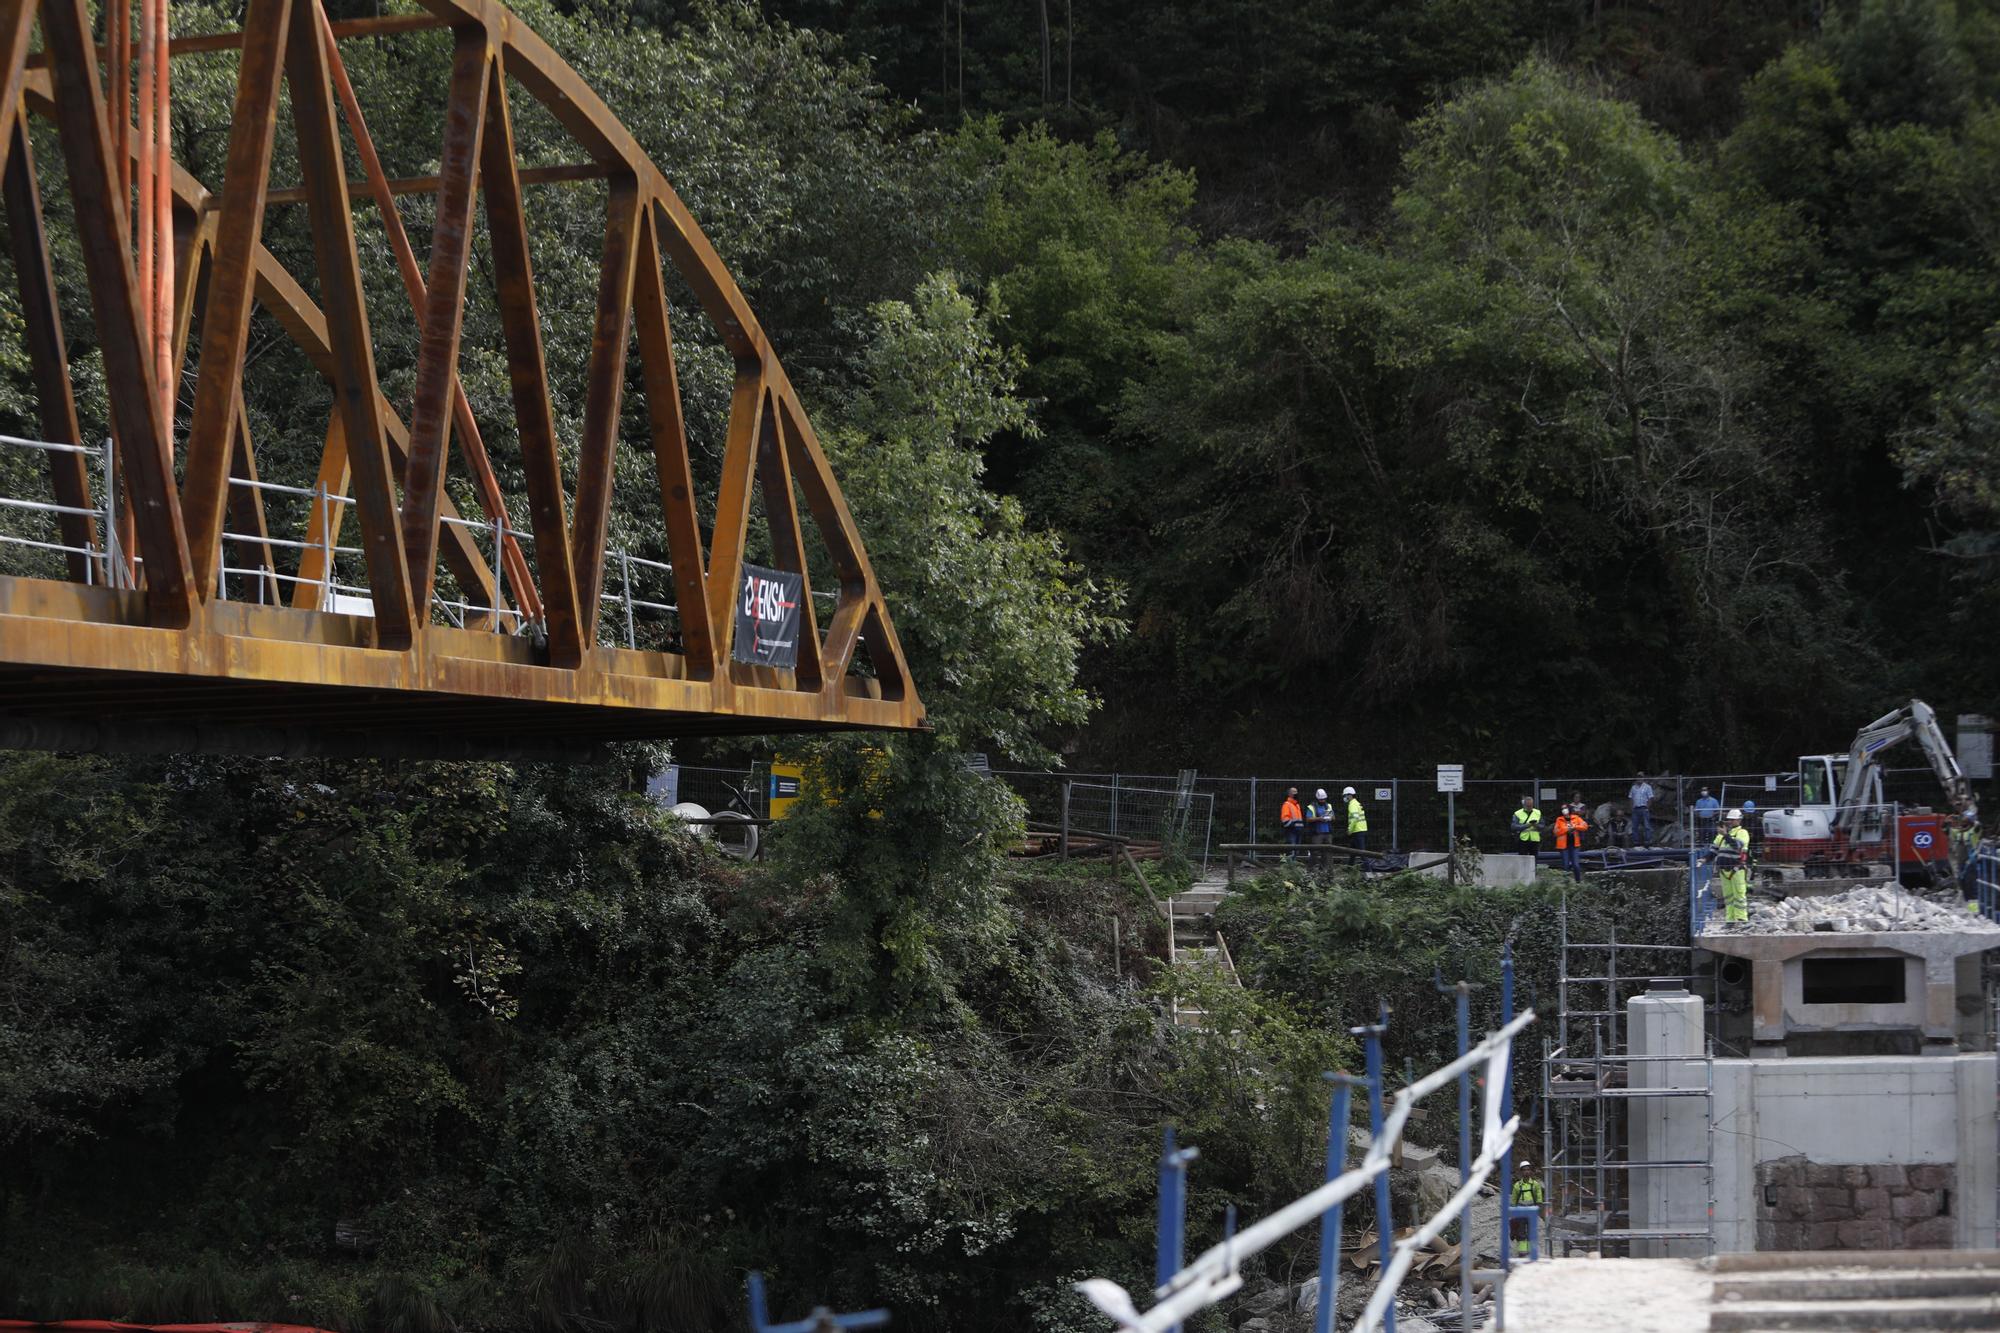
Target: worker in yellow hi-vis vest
[
  {"x": 1528, "y": 1193},
  {"x": 1357, "y": 820},
  {"x": 1527, "y": 826},
  {"x": 1731, "y": 853}
]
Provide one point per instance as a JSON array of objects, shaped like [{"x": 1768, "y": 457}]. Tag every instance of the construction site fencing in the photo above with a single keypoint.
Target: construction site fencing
[
  {"x": 1411, "y": 814},
  {"x": 1185, "y": 1289},
  {"x": 1179, "y": 819},
  {"x": 1982, "y": 878}
]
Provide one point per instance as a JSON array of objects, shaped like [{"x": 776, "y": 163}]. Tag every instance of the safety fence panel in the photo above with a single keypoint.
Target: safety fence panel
[
  {"x": 742, "y": 789},
  {"x": 1984, "y": 874},
  {"x": 1182, "y": 819}
]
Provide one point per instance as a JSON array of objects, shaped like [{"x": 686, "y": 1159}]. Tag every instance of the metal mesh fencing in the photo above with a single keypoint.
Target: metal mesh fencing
[
  {"x": 1982, "y": 876},
  {"x": 1179, "y": 818},
  {"x": 718, "y": 789}
]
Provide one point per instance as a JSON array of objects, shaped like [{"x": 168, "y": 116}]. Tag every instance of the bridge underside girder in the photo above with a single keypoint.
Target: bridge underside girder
[{"x": 268, "y": 680}]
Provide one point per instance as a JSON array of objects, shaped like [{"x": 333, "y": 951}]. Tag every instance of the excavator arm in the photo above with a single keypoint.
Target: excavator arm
[{"x": 1916, "y": 719}]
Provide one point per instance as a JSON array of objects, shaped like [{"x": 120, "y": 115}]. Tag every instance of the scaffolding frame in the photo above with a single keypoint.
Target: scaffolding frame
[{"x": 1587, "y": 1095}]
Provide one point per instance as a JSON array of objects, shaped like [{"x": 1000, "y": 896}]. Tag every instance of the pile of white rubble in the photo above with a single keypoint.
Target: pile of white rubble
[{"x": 1867, "y": 909}]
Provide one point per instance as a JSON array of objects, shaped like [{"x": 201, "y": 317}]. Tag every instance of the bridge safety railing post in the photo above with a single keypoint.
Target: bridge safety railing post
[
  {"x": 1384, "y": 1225},
  {"x": 325, "y": 548},
  {"x": 1329, "y": 1226},
  {"x": 625, "y": 570},
  {"x": 1506, "y": 1158},
  {"x": 1065, "y": 819},
  {"x": 1171, "y": 1248},
  {"x": 1463, "y": 992},
  {"x": 114, "y": 559},
  {"x": 499, "y": 568}
]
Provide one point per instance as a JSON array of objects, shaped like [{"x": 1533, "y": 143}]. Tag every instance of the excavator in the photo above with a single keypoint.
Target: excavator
[{"x": 1842, "y": 826}]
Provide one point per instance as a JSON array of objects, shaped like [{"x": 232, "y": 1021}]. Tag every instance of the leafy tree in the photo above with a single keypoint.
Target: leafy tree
[{"x": 992, "y": 615}]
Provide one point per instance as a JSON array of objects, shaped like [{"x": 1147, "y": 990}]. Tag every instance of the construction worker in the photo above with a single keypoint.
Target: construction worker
[
  {"x": 1320, "y": 815},
  {"x": 1528, "y": 827},
  {"x": 1528, "y": 1193},
  {"x": 1705, "y": 811},
  {"x": 1570, "y": 828},
  {"x": 1357, "y": 820},
  {"x": 1641, "y": 796},
  {"x": 1292, "y": 819},
  {"x": 1963, "y": 833},
  {"x": 1731, "y": 853}
]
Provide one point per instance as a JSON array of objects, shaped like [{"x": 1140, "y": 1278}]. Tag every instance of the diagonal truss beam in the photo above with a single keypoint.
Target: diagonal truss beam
[
  {"x": 442, "y": 307},
  {"x": 225, "y": 332},
  {"x": 528, "y": 375},
  {"x": 48, "y": 357},
  {"x": 356, "y": 394},
  {"x": 138, "y": 424}
]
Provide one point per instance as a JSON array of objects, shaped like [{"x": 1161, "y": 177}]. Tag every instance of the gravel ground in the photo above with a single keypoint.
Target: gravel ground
[{"x": 1591, "y": 1295}]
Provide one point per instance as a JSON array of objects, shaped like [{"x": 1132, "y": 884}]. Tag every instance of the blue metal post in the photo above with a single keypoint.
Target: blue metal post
[
  {"x": 1171, "y": 1252},
  {"x": 1464, "y": 1158},
  {"x": 1329, "y": 1223},
  {"x": 1507, "y": 1107},
  {"x": 760, "y": 1317},
  {"x": 1384, "y": 1225},
  {"x": 1506, "y": 1158}
]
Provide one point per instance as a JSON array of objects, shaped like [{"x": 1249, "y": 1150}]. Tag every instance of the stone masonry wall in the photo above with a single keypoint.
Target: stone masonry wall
[{"x": 1805, "y": 1205}]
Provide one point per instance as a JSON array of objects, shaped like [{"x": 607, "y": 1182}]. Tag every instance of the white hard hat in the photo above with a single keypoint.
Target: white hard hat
[
  {"x": 1347, "y": 791},
  {"x": 1319, "y": 794},
  {"x": 1734, "y": 814}
]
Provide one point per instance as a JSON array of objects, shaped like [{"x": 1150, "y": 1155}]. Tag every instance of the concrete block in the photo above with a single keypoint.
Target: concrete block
[
  {"x": 1418, "y": 1158},
  {"x": 1889, "y": 1177},
  {"x": 1821, "y": 1174},
  {"x": 1854, "y": 1177},
  {"x": 1929, "y": 1177},
  {"x": 1832, "y": 1204},
  {"x": 1794, "y": 1201},
  {"x": 1916, "y": 1205},
  {"x": 1822, "y": 1236},
  {"x": 1767, "y": 1235},
  {"x": 1872, "y": 1202},
  {"x": 1864, "y": 1234}
]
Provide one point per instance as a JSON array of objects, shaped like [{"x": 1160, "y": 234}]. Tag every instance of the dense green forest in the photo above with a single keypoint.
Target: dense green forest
[
  {"x": 1230, "y": 385},
  {"x": 1602, "y": 386}
]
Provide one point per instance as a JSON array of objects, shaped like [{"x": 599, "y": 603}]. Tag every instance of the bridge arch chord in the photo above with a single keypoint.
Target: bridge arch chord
[{"x": 145, "y": 630}]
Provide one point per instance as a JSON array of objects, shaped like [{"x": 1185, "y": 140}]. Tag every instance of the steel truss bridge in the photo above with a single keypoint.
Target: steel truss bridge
[{"x": 189, "y": 620}]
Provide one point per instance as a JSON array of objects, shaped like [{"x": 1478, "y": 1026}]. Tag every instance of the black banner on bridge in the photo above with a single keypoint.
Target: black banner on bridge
[{"x": 768, "y": 617}]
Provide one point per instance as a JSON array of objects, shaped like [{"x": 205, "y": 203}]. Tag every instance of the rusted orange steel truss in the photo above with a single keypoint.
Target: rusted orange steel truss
[{"x": 147, "y": 634}]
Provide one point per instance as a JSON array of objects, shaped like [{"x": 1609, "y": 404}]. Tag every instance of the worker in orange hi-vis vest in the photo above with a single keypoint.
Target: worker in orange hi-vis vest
[
  {"x": 1570, "y": 828},
  {"x": 1292, "y": 817}
]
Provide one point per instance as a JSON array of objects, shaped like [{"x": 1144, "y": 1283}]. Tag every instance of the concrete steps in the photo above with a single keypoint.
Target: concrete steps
[
  {"x": 1194, "y": 936},
  {"x": 1825, "y": 1293},
  {"x": 1948, "y": 1312}
]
